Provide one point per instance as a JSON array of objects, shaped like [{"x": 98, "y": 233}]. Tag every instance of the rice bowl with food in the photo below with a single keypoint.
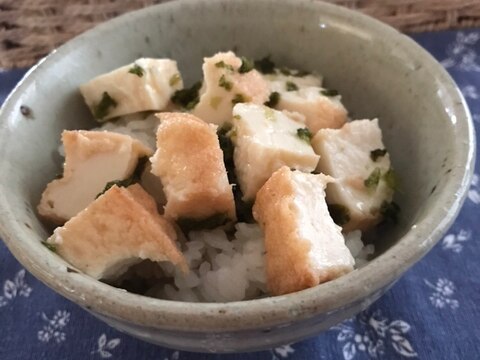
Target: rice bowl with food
[
  {"x": 253, "y": 182},
  {"x": 424, "y": 120}
]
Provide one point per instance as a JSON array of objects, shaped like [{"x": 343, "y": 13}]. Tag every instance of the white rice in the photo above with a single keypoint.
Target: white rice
[
  {"x": 142, "y": 127},
  {"x": 223, "y": 270},
  {"x": 358, "y": 249}
]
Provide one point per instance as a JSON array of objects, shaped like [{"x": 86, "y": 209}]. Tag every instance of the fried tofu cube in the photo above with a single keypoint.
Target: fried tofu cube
[
  {"x": 306, "y": 96},
  {"x": 92, "y": 159},
  {"x": 119, "y": 229},
  {"x": 189, "y": 163},
  {"x": 304, "y": 247},
  {"x": 356, "y": 157},
  {"x": 223, "y": 86},
  {"x": 145, "y": 85},
  {"x": 265, "y": 140}
]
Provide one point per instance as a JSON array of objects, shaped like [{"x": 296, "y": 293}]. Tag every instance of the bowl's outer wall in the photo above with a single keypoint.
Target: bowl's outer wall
[
  {"x": 379, "y": 73},
  {"x": 243, "y": 340}
]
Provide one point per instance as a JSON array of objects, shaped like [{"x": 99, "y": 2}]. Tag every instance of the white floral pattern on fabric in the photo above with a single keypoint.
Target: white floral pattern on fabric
[
  {"x": 461, "y": 54},
  {"x": 470, "y": 92},
  {"x": 103, "y": 346},
  {"x": 52, "y": 327},
  {"x": 14, "y": 288},
  {"x": 282, "y": 352},
  {"x": 454, "y": 242},
  {"x": 442, "y": 294},
  {"x": 376, "y": 334},
  {"x": 474, "y": 192}
]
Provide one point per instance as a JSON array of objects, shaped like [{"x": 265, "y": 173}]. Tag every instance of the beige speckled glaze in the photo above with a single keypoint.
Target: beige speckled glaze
[{"x": 380, "y": 72}]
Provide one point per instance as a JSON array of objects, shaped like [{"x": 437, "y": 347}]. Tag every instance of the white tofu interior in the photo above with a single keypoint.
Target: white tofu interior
[
  {"x": 92, "y": 159},
  {"x": 345, "y": 154},
  {"x": 306, "y": 96},
  {"x": 223, "y": 85},
  {"x": 265, "y": 140},
  {"x": 145, "y": 85},
  {"x": 277, "y": 81},
  {"x": 328, "y": 255},
  {"x": 320, "y": 111}
]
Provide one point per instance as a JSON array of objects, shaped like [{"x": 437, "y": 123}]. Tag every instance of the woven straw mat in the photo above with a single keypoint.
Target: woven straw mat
[{"x": 29, "y": 29}]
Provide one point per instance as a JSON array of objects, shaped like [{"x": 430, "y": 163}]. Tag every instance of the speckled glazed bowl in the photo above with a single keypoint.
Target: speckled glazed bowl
[{"x": 380, "y": 72}]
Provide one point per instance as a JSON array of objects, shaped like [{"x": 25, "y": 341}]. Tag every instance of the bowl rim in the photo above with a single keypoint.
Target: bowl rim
[{"x": 272, "y": 311}]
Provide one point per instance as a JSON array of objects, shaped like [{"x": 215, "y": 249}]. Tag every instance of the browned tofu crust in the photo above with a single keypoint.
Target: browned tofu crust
[
  {"x": 85, "y": 143},
  {"x": 149, "y": 203},
  {"x": 287, "y": 264},
  {"x": 119, "y": 225},
  {"x": 190, "y": 164},
  {"x": 328, "y": 115}
]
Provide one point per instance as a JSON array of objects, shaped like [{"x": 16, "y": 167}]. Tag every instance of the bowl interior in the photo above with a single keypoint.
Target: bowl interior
[{"x": 379, "y": 73}]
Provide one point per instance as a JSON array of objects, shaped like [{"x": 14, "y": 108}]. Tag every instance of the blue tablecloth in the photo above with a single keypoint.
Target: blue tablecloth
[{"x": 433, "y": 312}]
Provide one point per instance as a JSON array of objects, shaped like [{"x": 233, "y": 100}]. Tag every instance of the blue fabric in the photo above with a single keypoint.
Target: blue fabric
[{"x": 431, "y": 313}]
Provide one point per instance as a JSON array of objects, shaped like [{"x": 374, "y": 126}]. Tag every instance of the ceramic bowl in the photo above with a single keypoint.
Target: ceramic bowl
[{"x": 380, "y": 72}]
